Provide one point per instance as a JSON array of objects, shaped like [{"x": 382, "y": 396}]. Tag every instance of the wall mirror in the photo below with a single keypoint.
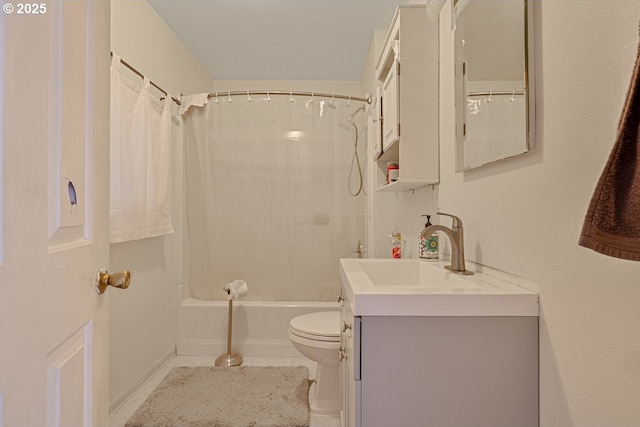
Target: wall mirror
[{"x": 493, "y": 80}]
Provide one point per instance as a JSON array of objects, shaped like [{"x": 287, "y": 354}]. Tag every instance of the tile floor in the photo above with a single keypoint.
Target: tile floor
[{"x": 122, "y": 414}]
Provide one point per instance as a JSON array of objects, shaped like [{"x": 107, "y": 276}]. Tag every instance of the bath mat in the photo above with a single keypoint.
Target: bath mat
[{"x": 243, "y": 396}]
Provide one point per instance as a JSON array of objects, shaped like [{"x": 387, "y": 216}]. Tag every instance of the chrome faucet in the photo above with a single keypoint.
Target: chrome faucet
[{"x": 456, "y": 236}]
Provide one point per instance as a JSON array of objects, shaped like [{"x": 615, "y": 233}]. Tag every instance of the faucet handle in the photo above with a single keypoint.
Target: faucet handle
[{"x": 457, "y": 222}]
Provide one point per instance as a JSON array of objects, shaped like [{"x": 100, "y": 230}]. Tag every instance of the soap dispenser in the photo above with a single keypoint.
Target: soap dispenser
[{"x": 429, "y": 249}]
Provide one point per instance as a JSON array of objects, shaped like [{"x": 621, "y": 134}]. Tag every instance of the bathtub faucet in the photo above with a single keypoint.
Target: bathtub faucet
[{"x": 456, "y": 237}]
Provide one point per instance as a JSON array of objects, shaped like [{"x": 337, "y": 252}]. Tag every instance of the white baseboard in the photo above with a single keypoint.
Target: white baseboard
[{"x": 120, "y": 400}]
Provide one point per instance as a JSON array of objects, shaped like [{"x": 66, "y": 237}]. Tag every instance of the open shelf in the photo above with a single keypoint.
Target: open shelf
[{"x": 405, "y": 185}]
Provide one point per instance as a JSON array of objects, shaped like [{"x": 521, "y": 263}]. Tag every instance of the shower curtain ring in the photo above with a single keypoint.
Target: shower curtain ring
[
  {"x": 349, "y": 100},
  {"x": 216, "y": 97},
  {"x": 513, "y": 92},
  {"x": 248, "y": 96},
  {"x": 291, "y": 96},
  {"x": 489, "y": 98},
  {"x": 229, "y": 95}
]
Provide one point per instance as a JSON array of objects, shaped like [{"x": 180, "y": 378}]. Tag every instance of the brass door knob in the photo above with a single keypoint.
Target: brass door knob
[{"x": 120, "y": 280}]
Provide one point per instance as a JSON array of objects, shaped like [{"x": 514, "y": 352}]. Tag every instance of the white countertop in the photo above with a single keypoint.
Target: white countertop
[{"x": 412, "y": 287}]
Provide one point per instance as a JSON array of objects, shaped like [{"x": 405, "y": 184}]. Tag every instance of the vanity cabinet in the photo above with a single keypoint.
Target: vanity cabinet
[
  {"x": 407, "y": 74},
  {"x": 438, "y": 371}
]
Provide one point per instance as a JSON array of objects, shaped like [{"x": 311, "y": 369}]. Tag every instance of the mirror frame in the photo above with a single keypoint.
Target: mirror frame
[{"x": 529, "y": 81}]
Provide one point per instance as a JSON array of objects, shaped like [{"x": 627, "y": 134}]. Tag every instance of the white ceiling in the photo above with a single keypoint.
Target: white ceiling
[{"x": 278, "y": 39}]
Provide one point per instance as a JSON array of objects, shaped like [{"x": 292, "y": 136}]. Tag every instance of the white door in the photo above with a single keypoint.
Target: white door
[{"x": 54, "y": 164}]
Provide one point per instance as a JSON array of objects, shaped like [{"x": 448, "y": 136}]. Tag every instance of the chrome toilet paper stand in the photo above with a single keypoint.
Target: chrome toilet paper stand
[{"x": 229, "y": 358}]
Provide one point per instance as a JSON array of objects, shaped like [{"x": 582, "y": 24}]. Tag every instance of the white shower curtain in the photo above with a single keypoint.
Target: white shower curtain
[
  {"x": 267, "y": 197},
  {"x": 496, "y": 125},
  {"x": 495, "y": 130},
  {"x": 140, "y": 161}
]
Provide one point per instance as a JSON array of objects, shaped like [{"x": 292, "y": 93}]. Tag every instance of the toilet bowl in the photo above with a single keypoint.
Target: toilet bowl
[{"x": 317, "y": 337}]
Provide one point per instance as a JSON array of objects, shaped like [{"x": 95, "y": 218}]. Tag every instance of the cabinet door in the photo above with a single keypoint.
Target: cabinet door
[
  {"x": 344, "y": 372},
  {"x": 390, "y": 108},
  {"x": 373, "y": 126},
  {"x": 452, "y": 372},
  {"x": 376, "y": 147},
  {"x": 347, "y": 373}
]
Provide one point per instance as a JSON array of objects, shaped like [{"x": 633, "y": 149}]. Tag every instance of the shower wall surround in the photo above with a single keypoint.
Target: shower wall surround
[{"x": 267, "y": 188}]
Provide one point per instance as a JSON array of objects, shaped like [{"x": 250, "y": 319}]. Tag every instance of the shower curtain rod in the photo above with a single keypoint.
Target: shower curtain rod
[
  {"x": 286, "y": 93},
  {"x": 139, "y": 74},
  {"x": 497, "y": 93}
]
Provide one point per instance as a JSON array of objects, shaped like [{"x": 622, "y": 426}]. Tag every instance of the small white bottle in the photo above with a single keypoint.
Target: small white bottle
[
  {"x": 396, "y": 244},
  {"x": 429, "y": 248}
]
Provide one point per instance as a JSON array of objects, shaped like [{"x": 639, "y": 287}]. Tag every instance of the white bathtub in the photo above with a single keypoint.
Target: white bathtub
[{"x": 259, "y": 328}]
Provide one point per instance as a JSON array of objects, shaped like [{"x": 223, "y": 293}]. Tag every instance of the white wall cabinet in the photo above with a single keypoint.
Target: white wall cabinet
[
  {"x": 435, "y": 371},
  {"x": 407, "y": 71}
]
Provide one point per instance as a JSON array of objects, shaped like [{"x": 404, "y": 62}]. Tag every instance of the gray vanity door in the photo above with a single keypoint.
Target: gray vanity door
[{"x": 449, "y": 371}]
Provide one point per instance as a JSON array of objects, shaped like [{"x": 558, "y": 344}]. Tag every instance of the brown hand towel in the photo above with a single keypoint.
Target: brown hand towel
[{"x": 612, "y": 223}]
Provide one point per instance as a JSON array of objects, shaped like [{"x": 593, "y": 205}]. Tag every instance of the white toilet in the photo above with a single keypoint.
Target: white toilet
[{"x": 317, "y": 337}]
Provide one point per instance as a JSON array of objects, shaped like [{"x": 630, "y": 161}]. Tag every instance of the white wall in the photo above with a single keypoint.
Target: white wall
[
  {"x": 143, "y": 317},
  {"x": 524, "y": 215}
]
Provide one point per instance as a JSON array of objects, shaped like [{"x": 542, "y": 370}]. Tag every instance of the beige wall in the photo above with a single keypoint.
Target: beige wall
[
  {"x": 524, "y": 215},
  {"x": 333, "y": 86},
  {"x": 390, "y": 211},
  {"x": 143, "y": 318},
  {"x": 141, "y": 37}
]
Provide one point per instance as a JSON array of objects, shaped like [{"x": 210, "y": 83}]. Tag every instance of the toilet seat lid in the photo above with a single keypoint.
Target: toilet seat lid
[{"x": 320, "y": 324}]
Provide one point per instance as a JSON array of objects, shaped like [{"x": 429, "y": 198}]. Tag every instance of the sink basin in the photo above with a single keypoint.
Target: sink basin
[
  {"x": 412, "y": 273},
  {"x": 412, "y": 287}
]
